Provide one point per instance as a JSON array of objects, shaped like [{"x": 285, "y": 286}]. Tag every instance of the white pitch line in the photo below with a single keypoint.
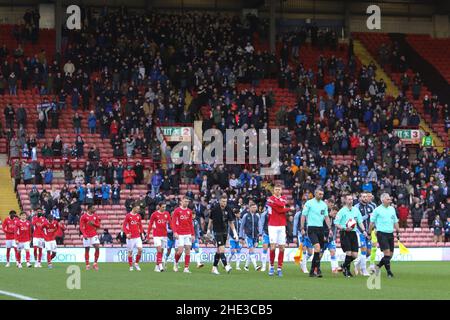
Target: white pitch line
[{"x": 15, "y": 295}]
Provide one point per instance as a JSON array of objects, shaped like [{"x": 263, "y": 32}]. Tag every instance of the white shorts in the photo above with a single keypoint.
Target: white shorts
[
  {"x": 10, "y": 244},
  {"x": 183, "y": 240},
  {"x": 50, "y": 245},
  {"x": 134, "y": 243},
  {"x": 23, "y": 245},
  {"x": 39, "y": 242},
  {"x": 89, "y": 242},
  {"x": 160, "y": 242},
  {"x": 277, "y": 235}
]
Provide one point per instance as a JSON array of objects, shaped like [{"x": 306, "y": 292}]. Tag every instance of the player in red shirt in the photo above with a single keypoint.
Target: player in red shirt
[
  {"x": 277, "y": 206},
  {"x": 132, "y": 227},
  {"x": 183, "y": 231},
  {"x": 89, "y": 223},
  {"x": 38, "y": 237},
  {"x": 9, "y": 228},
  {"x": 23, "y": 238},
  {"x": 158, "y": 227},
  {"x": 50, "y": 228}
]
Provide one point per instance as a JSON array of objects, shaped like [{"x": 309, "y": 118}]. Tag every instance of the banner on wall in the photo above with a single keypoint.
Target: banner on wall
[
  {"x": 409, "y": 136},
  {"x": 119, "y": 255},
  {"x": 47, "y": 13},
  {"x": 176, "y": 134}
]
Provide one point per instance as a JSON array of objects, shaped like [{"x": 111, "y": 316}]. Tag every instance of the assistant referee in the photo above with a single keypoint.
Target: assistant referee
[
  {"x": 221, "y": 217},
  {"x": 315, "y": 212},
  {"x": 384, "y": 219}
]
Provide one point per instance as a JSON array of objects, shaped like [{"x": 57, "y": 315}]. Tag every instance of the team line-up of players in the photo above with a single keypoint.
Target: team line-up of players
[{"x": 316, "y": 226}]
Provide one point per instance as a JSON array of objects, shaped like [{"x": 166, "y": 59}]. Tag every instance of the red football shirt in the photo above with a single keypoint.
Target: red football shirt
[
  {"x": 86, "y": 229},
  {"x": 277, "y": 211},
  {"x": 38, "y": 224},
  {"x": 182, "y": 221},
  {"x": 23, "y": 231},
  {"x": 9, "y": 227},
  {"x": 50, "y": 230},
  {"x": 158, "y": 223},
  {"x": 132, "y": 225}
]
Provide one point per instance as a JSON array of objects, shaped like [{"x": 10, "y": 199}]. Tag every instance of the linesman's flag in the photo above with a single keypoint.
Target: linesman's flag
[
  {"x": 298, "y": 255},
  {"x": 402, "y": 248}
]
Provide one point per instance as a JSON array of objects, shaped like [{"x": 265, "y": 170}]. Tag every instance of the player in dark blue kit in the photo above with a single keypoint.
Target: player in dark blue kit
[
  {"x": 263, "y": 230},
  {"x": 366, "y": 207},
  {"x": 235, "y": 245},
  {"x": 249, "y": 231},
  {"x": 170, "y": 244},
  {"x": 330, "y": 242},
  {"x": 195, "y": 245}
]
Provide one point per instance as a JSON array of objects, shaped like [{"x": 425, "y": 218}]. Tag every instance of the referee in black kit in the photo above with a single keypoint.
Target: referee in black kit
[{"x": 221, "y": 217}]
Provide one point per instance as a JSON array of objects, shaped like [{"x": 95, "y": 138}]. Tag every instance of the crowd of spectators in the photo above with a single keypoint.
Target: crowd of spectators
[{"x": 136, "y": 71}]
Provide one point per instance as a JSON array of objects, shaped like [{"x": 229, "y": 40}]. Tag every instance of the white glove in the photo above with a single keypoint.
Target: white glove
[{"x": 235, "y": 235}]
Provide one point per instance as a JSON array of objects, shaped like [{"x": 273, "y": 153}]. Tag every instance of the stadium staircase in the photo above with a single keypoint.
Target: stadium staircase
[
  {"x": 8, "y": 198},
  {"x": 367, "y": 46},
  {"x": 435, "y": 51}
]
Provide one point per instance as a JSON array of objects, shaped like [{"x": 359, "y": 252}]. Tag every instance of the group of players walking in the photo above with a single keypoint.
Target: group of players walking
[{"x": 315, "y": 228}]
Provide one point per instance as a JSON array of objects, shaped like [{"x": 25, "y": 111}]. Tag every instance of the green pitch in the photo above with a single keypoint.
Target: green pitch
[{"x": 413, "y": 280}]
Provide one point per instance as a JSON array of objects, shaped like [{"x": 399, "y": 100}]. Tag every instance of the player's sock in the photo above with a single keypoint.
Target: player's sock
[
  {"x": 49, "y": 257},
  {"x": 264, "y": 257},
  {"x": 96, "y": 254},
  {"x": 130, "y": 261},
  {"x": 387, "y": 263},
  {"x": 381, "y": 263},
  {"x": 280, "y": 258},
  {"x": 35, "y": 253},
  {"x": 216, "y": 259},
  {"x": 347, "y": 261},
  {"x": 158, "y": 258},
  {"x": 53, "y": 255},
  {"x": 253, "y": 259},
  {"x": 357, "y": 262},
  {"x": 272, "y": 257},
  {"x": 318, "y": 260},
  {"x": 86, "y": 256},
  {"x": 238, "y": 260},
  {"x": 39, "y": 255},
  {"x": 177, "y": 257},
  {"x": 304, "y": 259},
  {"x": 362, "y": 262},
  {"x": 231, "y": 256},
  {"x": 334, "y": 262},
  {"x": 8, "y": 251},
  {"x": 27, "y": 256},
  {"x": 18, "y": 256},
  {"x": 247, "y": 261},
  {"x": 16, "y": 253},
  {"x": 138, "y": 258},
  {"x": 315, "y": 259},
  {"x": 187, "y": 260},
  {"x": 223, "y": 259}
]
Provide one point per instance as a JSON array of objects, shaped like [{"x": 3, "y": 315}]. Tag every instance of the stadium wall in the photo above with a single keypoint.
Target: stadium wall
[
  {"x": 12, "y": 14},
  {"x": 119, "y": 255}
]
